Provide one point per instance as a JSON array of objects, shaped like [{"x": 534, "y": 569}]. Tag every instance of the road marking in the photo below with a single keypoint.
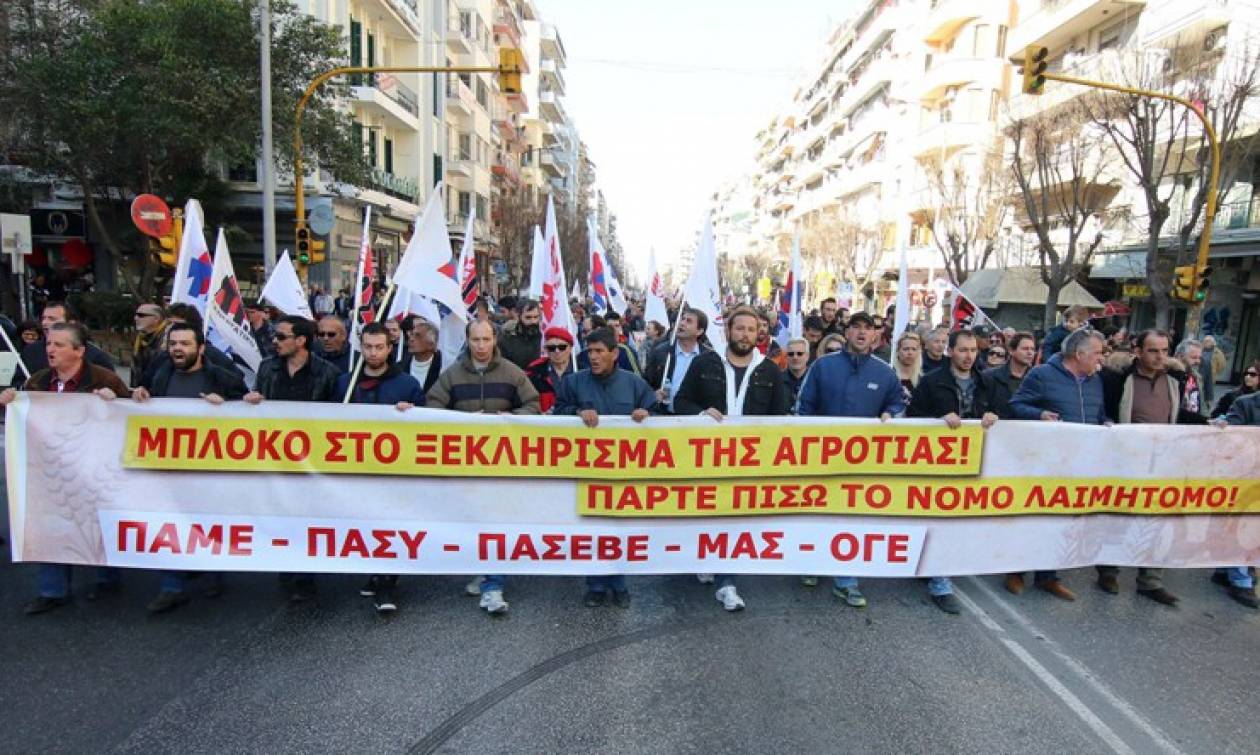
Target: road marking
[
  {"x": 1076, "y": 667},
  {"x": 1074, "y": 703}
]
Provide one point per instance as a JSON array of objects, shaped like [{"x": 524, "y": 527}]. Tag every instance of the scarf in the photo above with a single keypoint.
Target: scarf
[{"x": 735, "y": 399}]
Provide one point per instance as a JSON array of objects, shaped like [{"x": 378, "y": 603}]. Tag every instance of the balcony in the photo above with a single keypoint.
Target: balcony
[
  {"x": 947, "y": 136},
  {"x": 459, "y": 98},
  {"x": 388, "y": 96},
  {"x": 1103, "y": 66},
  {"x": 398, "y": 187},
  {"x": 505, "y": 170},
  {"x": 551, "y": 44},
  {"x": 858, "y": 178},
  {"x": 549, "y": 70},
  {"x": 460, "y": 163},
  {"x": 549, "y": 106},
  {"x": 954, "y": 71},
  {"x": 1185, "y": 21},
  {"x": 947, "y": 17},
  {"x": 1055, "y": 23},
  {"x": 459, "y": 35},
  {"x": 506, "y": 25},
  {"x": 398, "y": 18},
  {"x": 868, "y": 79},
  {"x": 552, "y": 165}
]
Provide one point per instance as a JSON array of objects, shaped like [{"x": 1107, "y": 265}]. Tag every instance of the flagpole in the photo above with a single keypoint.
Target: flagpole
[
  {"x": 673, "y": 340},
  {"x": 358, "y": 366}
]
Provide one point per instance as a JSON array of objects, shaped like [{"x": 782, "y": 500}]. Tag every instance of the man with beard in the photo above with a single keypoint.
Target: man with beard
[
  {"x": 739, "y": 383},
  {"x": 603, "y": 389},
  {"x": 851, "y": 383},
  {"x": 521, "y": 342},
  {"x": 954, "y": 393},
  {"x": 830, "y": 320},
  {"x": 188, "y": 375},
  {"x": 381, "y": 382},
  {"x": 260, "y": 328}
]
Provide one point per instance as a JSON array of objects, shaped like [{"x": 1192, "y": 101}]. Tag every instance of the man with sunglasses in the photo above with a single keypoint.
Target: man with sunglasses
[
  {"x": 295, "y": 374},
  {"x": 548, "y": 370},
  {"x": 150, "y": 340},
  {"x": 797, "y": 352},
  {"x": 333, "y": 345}
]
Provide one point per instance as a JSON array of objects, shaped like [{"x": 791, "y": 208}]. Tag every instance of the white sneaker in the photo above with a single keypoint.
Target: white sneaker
[
  {"x": 705, "y": 579},
  {"x": 474, "y": 587},
  {"x": 492, "y": 601},
  {"x": 730, "y": 599}
]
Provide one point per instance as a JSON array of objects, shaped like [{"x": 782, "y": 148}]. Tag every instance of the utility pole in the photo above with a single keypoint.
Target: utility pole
[{"x": 268, "y": 159}]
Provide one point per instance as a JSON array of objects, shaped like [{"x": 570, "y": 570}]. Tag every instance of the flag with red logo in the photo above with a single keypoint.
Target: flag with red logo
[
  {"x": 469, "y": 286},
  {"x": 553, "y": 301},
  {"x": 193, "y": 268},
  {"x": 427, "y": 266},
  {"x": 655, "y": 309},
  {"x": 965, "y": 315},
  {"x": 225, "y": 325}
]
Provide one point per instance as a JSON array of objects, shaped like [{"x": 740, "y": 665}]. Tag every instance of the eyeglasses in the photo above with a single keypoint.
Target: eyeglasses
[
  {"x": 146, "y": 314},
  {"x": 998, "y": 354},
  {"x": 796, "y": 353},
  {"x": 281, "y": 337},
  {"x": 327, "y": 334},
  {"x": 557, "y": 347},
  {"x": 1251, "y": 373}
]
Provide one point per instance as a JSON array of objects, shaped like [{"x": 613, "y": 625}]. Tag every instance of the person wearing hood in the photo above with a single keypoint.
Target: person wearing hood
[
  {"x": 522, "y": 339},
  {"x": 603, "y": 389},
  {"x": 483, "y": 382}
]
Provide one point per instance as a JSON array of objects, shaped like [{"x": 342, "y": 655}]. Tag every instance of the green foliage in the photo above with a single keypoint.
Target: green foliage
[{"x": 105, "y": 310}]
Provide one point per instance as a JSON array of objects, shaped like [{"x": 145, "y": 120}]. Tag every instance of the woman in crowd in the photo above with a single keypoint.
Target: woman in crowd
[
  {"x": 1250, "y": 384},
  {"x": 908, "y": 362}
]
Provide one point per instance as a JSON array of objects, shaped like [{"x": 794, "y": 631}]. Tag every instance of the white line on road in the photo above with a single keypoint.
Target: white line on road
[
  {"x": 1074, "y": 703},
  {"x": 1076, "y": 667}
]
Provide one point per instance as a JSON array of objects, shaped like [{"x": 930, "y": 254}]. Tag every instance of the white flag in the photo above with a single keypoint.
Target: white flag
[
  {"x": 427, "y": 266},
  {"x": 194, "y": 268},
  {"x": 284, "y": 291},
  {"x": 795, "y": 324},
  {"x": 225, "y": 311},
  {"x": 555, "y": 308},
  {"x": 469, "y": 286},
  {"x": 655, "y": 309},
  {"x": 576, "y": 293},
  {"x": 901, "y": 318},
  {"x": 451, "y": 339},
  {"x": 538, "y": 265},
  {"x": 702, "y": 291},
  {"x": 361, "y": 305}
]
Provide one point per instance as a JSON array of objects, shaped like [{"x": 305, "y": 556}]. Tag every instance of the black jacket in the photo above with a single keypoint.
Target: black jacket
[
  {"x": 227, "y": 383},
  {"x": 35, "y": 357},
  {"x": 519, "y": 347},
  {"x": 324, "y": 374},
  {"x": 1113, "y": 392},
  {"x": 212, "y": 355},
  {"x": 1001, "y": 385},
  {"x": 435, "y": 369},
  {"x": 654, "y": 370},
  {"x": 705, "y": 388},
  {"x": 937, "y": 394},
  {"x": 1225, "y": 402}
]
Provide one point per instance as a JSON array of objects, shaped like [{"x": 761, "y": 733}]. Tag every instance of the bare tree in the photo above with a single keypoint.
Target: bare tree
[
  {"x": 972, "y": 201},
  {"x": 1165, "y": 150},
  {"x": 515, "y": 214},
  {"x": 1060, "y": 167},
  {"x": 839, "y": 241}
]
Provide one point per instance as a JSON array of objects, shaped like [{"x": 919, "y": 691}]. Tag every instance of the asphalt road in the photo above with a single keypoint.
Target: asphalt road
[{"x": 674, "y": 673}]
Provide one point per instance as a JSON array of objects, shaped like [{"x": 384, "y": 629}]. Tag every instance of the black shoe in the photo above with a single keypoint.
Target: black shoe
[
  {"x": 303, "y": 591},
  {"x": 104, "y": 589},
  {"x": 214, "y": 589},
  {"x": 621, "y": 598},
  {"x": 1220, "y": 578},
  {"x": 44, "y": 605},
  {"x": 1245, "y": 595},
  {"x": 167, "y": 601},
  {"x": 385, "y": 602},
  {"x": 1109, "y": 584},
  {"x": 593, "y": 599},
  {"x": 369, "y": 589},
  {"x": 1160, "y": 595},
  {"x": 948, "y": 603}
]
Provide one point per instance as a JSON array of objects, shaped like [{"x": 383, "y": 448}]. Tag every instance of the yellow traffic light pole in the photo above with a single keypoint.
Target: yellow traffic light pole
[
  {"x": 1038, "y": 55},
  {"x": 509, "y": 68}
]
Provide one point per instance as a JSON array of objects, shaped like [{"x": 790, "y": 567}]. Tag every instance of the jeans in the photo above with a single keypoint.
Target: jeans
[
  {"x": 492, "y": 583},
  {"x": 724, "y": 580},
  {"x": 177, "y": 581},
  {"x": 54, "y": 579},
  {"x": 1238, "y": 577},
  {"x": 844, "y": 583},
  {"x": 1147, "y": 579},
  {"x": 602, "y": 584},
  {"x": 938, "y": 586}
]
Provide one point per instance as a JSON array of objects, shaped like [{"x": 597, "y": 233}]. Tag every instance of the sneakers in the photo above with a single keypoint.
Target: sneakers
[
  {"x": 809, "y": 581},
  {"x": 593, "y": 599},
  {"x": 473, "y": 588},
  {"x": 948, "y": 603},
  {"x": 730, "y": 599},
  {"x": 850, "y": 595},
  {"x": 492, "y": 601},
  {"x": 44, "y": 605},
  {"x": 167, "y": 601},
  {"x": 1244, "y": 595},
  {"x": 384, "y": 601},
  {"x": 369, "y": 589},
  {"x": 104, "y": 590},
  {"x": 705, "y": 579}
]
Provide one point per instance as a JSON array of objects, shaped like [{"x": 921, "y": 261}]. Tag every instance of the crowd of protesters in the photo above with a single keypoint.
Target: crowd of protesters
[{"x": 846, "y": 364}]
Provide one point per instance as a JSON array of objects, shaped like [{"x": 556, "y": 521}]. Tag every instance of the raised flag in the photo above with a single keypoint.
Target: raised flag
[
  {"x": 194, "y": 267},
  {"x": 552, "y": 301},
  {"x": 655, "y": 309},
  {"x": 539, "y": 264},
  {"x": 702, "y": 291},
  {"x": 426, "y": 266},
  {"x": 965, "y": 314},
  {"x": 901, "y": 318},
  {"x": 469, "y": 286},
  {"x": 576, "y": 293},
  {"x": 225, "y": 310},
  {"x": 600, "y": 302},
  {"x": 364, "y": 285},
  {"x": 283, "y": 290},
  {"x": 795, "y": 285}
]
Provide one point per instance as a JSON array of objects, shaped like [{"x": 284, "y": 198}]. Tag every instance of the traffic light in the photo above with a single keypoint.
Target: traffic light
[
  {"x": 1034, "y": 69},
  {"x": 1202, "y": 282},
  {"x": 1183, "y": 282},
  {"x": 303, "y": 244},
  {"x": 511, "y": 63},
  {"x": 166, "y": 248},
  {"x": 317, "y": 251}
]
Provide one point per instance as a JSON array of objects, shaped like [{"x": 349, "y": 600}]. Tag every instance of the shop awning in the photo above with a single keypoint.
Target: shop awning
[{"x": 1020, "y": 285}]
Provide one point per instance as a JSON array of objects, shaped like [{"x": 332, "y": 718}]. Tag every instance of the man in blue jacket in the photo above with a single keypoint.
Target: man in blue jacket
[
  {"x": 1068, "y": 388},
  {"x": 381, "y": 382},
  {"x": 605, "y": 389},
  {"x": 851, "y": 383}
]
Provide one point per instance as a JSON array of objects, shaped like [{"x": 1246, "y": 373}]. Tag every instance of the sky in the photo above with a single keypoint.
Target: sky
[{"x": 668, "y": 96}]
